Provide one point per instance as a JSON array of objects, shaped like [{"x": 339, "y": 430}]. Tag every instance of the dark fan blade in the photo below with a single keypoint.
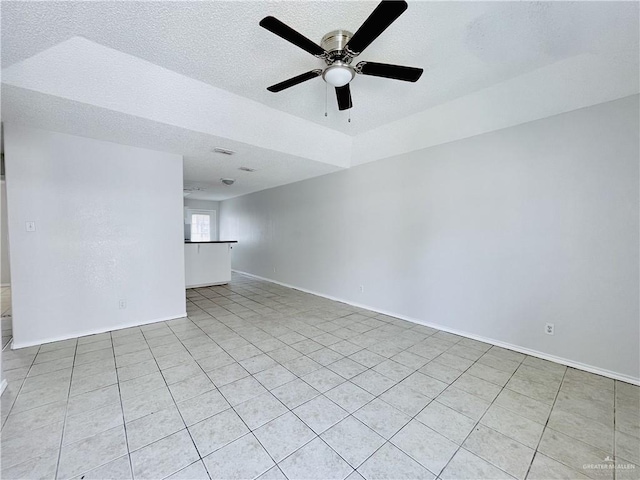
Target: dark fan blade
[
  {"x": 397, "y": 72},
  {"x": 276, "y": 26},
  {"x": 278, "y": 87},
  {"x": 344, "y": 97},
  {"x": 384, "y": 15}
]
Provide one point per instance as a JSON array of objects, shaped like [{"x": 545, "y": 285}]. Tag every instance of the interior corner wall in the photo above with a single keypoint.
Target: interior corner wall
[
  {"x": 5, "y": 272},
  {"x": 108, "y": 229},
  {"x": 491, "y": 236}
]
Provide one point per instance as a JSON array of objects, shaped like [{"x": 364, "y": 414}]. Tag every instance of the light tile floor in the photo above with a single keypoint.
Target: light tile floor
[{"x": 265, "y": 381}]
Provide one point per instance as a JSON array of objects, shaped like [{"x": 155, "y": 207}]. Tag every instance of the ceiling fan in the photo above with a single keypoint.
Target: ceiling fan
[{"x": 338, "y": 49}]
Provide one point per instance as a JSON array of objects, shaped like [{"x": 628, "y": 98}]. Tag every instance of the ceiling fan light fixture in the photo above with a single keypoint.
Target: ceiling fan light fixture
[
  {"x": 338, "y": 49},
  {"x": 338, "y": 74}
]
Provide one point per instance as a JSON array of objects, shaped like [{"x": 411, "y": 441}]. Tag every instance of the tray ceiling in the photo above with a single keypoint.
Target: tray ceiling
[{"x": 214, "y": 54}]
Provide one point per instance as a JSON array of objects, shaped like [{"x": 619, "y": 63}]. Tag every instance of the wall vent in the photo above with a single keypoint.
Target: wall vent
[{"x": 223, "y": 151}]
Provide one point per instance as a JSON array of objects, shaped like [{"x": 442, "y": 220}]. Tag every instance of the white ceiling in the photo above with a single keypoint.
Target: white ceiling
[
  {"x": 220, "y": 53},
  {"x": 202, "y": 168}
]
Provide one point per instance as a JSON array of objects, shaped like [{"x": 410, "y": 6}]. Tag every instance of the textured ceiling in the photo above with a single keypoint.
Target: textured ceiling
[
  {"x": 84, "y": 71},
  {"x": 202, "y": 168},
  {"x": 186, "y": 76},
  {"x": 463, "y": 46}
]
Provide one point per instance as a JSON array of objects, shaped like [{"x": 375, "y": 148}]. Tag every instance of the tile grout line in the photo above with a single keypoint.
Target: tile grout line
[
  {"x": 477, "y": 422},
  {"x": 434, "y": 399},
  {"x": 179, "y": 339},
  {"x": 416, "y": 370},
  {"x": 247, "y": 325},
  {"x": 250, "y": 431},
  {"x": 376, "y": 397},
  {"x": 124, "y": 422},
  {"x": 175, "y": 404},
  {"x": 555, "y": 399},
  {"x": 21, "y": 385},
  {"x": 216, "y": 388},
  {"x": 504, "y": 387},
  {"x": 289, "y": 410},
  {"x": 231, "y": 407},
  {"x": 66, "y": 410}
]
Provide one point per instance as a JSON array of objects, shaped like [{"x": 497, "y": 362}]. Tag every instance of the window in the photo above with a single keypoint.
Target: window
[{"x": 203, "y": 225}]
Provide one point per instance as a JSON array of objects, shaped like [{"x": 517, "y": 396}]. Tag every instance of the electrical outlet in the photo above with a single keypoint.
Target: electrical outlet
[
  {"x": 122, "y": 304},
  {"x": 549, "y": 329},
  {"x": 274, "y": 269},
  {"x": 361, "y": 288}
]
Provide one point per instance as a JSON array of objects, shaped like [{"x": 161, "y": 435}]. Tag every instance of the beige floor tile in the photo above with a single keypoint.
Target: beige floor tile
[
  {"x": 320, "y": 413},
  {"x": 500, "y": 450},
  {"x": 250, "y": 352},
  {"x": 390, "y": 462},
  {"x": 466, "y": 465},
  {"x": 353, "y": 441},
  {"x": 164, "y": 457},
  {"x": 260, "y": 410},
  {"x": 284, "y": 435},
  {"x": 92, "y": 452},
  {"x": 513, "y": 425},
  {"x": 426, "y": 446},
  {"x": 583, "y": 429},
  {"x": 545, "y": 468},
  {"x": 153, "y": 427},
  {"x": 315, "y": 461},
  {"x": 446, "y": 421},
  {"x": 382, "y": 418},
  {"x": 215, "y": 432},
  {"x": 574, "y": 454},
  {"x": 463, "y": 402},
  {"x": 243, "y": 458}
]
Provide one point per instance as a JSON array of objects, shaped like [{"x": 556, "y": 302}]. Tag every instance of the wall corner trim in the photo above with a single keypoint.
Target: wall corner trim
[{"x": 497, "y": 343}]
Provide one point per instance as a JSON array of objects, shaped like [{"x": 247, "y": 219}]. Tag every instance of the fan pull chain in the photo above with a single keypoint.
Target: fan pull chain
[
  {"x": 326, "y": 96},
  {"x": 349, "y": 115}
]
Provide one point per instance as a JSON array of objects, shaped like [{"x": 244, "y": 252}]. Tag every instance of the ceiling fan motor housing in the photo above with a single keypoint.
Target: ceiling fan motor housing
[{"x": 334, "y": 43}]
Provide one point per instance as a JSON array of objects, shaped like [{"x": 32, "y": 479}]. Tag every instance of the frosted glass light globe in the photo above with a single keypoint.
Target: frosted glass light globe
[{"x": 338, "y": 75}]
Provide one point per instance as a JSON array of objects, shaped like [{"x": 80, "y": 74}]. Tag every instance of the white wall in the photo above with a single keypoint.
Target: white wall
[
  {"x": 491, "y": 236},
  {"x": 202, "y": 205},
  {"x": 108, "y": 227},
  {"x": 5, "y": 272}
]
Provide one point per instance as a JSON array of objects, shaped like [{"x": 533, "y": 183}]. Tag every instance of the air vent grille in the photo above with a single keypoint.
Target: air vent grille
[{"x": 223, "y": 151}]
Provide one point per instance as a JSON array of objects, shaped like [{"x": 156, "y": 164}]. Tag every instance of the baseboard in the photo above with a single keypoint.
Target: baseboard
[
  {"x": 17, "y": 345},
  {"x": 497, "y": 343},
  {"x": 201, "y": 285},
  {"x": 3, "y": 386}
]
